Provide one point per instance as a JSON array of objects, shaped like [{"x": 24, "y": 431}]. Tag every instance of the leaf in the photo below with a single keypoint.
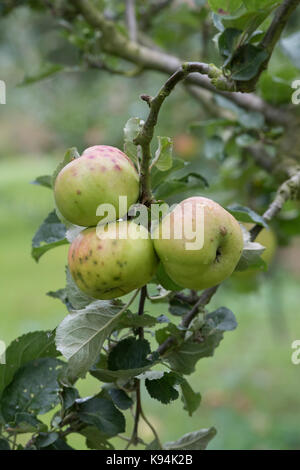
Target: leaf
[
  {"x": 162, "y": 389},
  {"x": 163, "y": 156},
  {"x": 102, "y": 414},
  {"x": 214, "y": 148},
  {"x": 130, "y": 353},
  {"x": 45, "y": 180},
  {"x": 68, "y": 397},
  {"x": 247, "y": 62},
  {"x": 58, "y": 444},
  {"x": 210, "y": 126},
  {"x": 191, "y": 400},
  {"x": 95, "y": 439},
  {"x": 106, "y": 375},
  {"x": 251, "y": 257},
  {"x": 129, "y": 320},
  {"x": 159, "y": 177},
  {"x": 131, "y": 130},
  {"x": 228, "y": 42},
  {"x": 47, "y": 71},
  {"x": 76, "y": 298},
  {"x": 4, "y": 444},
  {"x": 26, "y": 422},
  {"x": 71, "y": 154},
  {"x": 34, "y": 389},
  {"x": 22, "y": 350},
  {"x": 81, "y": 334},
  {"x": 190, "y": 182},
  {"x": 46, "y": 439},
  {"x": 221, "y": 319},
  {"x": 291, "y": 47},
  {"x": 245, "y": 214},
  {"x": 202, "y": 343},
  {"x": 178, "y": 307},
  {"x": 120, "y": 398},
  {"x": 251, "y": 119},
  {"x": 245, "y": 140},
  {"x": 51, "y": 233},
  {"x": 225, "y": 6},
  {"x": 197, "y": 440}
]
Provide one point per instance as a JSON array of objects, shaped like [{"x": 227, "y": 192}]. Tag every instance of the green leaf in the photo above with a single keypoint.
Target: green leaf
[
  {"x": 210, "y": 126},
  {"x": 191, "y": 400},
  {"x": 228, "y": 42},
  {"x": 221, "y": 319},
  {"x": 250, "y": 258},
  {"x": 214, "y": 148},
  {"x": 51, "y": 233},
  {"x": 178, "y": 307},
  {"x": 245, "y": 140},
  {"x": 34, "y": 389},
  {"x": 189, "y": 182},
  {"x": 68, "y": 397},
  {"x": 247, "y": 62},
  {"x": 130, "y": 353},
  {"x": 130, "y": 320},
  {"x": 102, "y": 414},
  {"x": 163, "y": 156},
  {"x": 27, "y": 423},
  {"x": 225, "y": 6},
  {"x": 197, "y": 440},
  {"x": 95, "y": 439},
  {"x": 131, "y": 130},
  {"x": 46, "y": 439},
  {"x": 162, "y": 389},
  {"x": 58, "y": 444},
  {"x": 71, "y": 154},
  {"x": 109, "y": 376},
  {"x": 159, "y": 177},
  {"x": 22, "y": 350},
  {"x": 120, "y": 398},
  {"x": 4, "y": 444},
  {"x": 47, "y": 71},
  {"x": 245, "y": 214},
  {"x": 82, "y": 333},
  {"x": 71, "y": 295},
  {"x": 45, "y": 180},
  {"x": 202, "y": 343},
  {"x": 251, "y": 119},
  {"x": 291, "y": 47}
]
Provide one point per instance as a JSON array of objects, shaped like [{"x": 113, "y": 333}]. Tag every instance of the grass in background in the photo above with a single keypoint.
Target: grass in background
[{"x": 249, "y": 388}]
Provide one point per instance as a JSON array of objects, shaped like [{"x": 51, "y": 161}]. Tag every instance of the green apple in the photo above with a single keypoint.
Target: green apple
[
  {"x": 99, "y": 176},
  {"x": 209, "y": 264},
  {"x": 112, "y": 260}
]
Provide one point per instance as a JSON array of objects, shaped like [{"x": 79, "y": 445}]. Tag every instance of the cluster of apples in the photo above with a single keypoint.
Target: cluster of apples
[{"x": 106, "y": 266}]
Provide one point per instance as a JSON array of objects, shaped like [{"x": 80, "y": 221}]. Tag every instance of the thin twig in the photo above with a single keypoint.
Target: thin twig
[{"x": 290, "y": 189}]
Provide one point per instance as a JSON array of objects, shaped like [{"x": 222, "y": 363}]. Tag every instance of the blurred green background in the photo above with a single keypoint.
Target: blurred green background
[{"x": 250, "y": 388}]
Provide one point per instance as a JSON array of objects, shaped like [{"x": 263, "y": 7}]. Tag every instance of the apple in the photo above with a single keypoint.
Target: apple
[
  {"x": 205, "y": 266},
  {"x": 112, "y": 260},
  {"x": 99, "y": 176}
]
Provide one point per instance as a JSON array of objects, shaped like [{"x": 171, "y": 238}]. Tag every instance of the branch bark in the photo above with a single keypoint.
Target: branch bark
[{"x": 115, "y": 43}]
